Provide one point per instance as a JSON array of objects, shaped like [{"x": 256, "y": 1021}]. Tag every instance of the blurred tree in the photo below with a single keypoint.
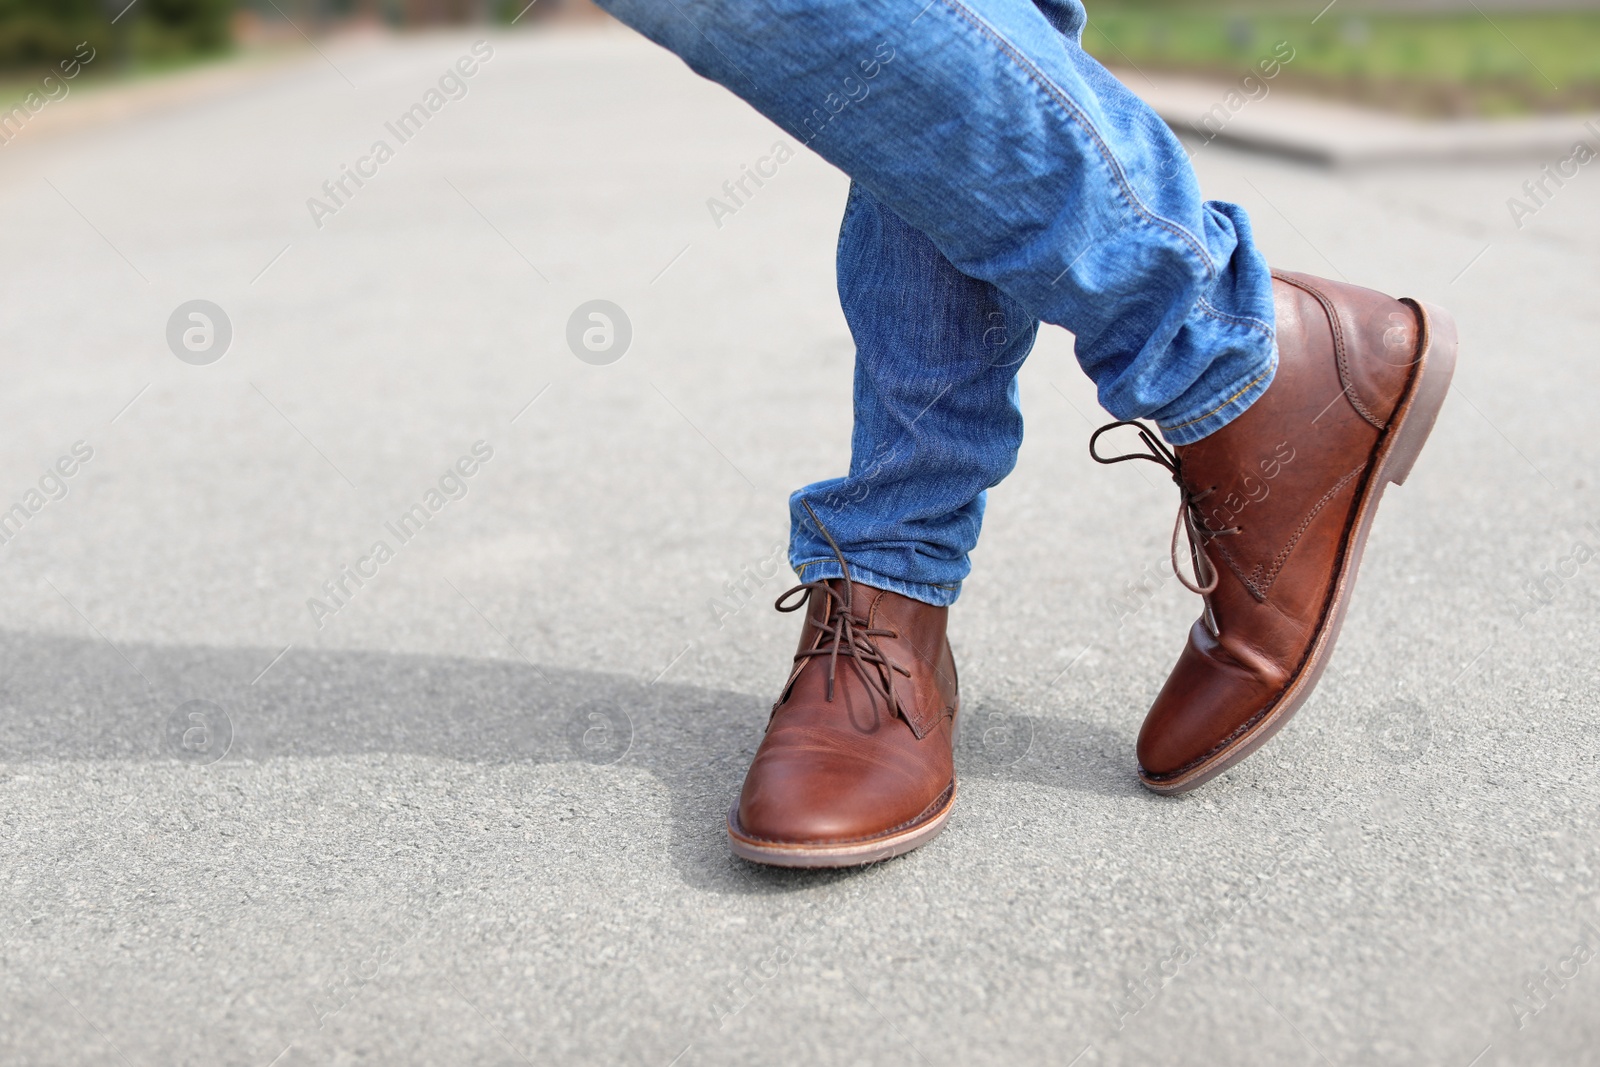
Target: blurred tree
[
  {"x": 41, "y": 33},
  {"x": 168, "y": 29},
  {"x": 203, "y": 23}
]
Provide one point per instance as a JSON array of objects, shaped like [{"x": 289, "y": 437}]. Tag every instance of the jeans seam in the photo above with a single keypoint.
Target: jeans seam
[
  {"x": 1205, "y": 307},
  {"x": 1201, "y": 418},
  {"x": 1069, "y": 106},
  {"x": 800, "y": 568},
  {"x": 844, "y": 220}
]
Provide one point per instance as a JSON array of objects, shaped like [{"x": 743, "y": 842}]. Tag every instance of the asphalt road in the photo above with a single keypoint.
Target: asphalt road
[{"x": 472, "y": 811}]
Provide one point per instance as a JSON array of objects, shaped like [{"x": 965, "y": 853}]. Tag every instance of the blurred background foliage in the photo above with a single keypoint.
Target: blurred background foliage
[
  {"x": 36, "y": 35},
  {"x": 41, "y": 33},
  {"x": 1442, "y": 58},
  {"x": 1435, "y": 57}
]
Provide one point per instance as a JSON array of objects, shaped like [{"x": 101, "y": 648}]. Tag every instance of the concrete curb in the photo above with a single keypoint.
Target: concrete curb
[{"x": 1341, "y": 135}]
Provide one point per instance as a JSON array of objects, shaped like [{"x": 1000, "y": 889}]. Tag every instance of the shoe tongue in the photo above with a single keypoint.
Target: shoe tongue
[
  {"x": 858, "y": 596},
  {"x": 822, "y": 606}
]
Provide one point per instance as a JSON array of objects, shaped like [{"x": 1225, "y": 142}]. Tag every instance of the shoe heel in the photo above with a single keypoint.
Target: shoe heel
[{"x": 1436, "y": 367}]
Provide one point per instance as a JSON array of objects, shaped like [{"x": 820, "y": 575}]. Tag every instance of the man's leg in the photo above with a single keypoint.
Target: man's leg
[
  {"x": 936, "y": 417},
  {"x": 857, "y": 760},
  {"x": 984, "y": 125}
]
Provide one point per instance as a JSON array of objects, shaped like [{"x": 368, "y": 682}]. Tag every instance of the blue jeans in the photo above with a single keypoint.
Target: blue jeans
[{"x": 1001, "y": 177}]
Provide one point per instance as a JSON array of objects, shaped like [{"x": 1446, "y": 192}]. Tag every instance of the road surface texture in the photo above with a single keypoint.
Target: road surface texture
[{"x": 471, "y": 809}]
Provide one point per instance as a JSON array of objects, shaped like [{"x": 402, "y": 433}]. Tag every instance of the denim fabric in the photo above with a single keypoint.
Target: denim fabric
[
  {"x": 936, "y": 417},
  {"x": 1002, "y": 177}
]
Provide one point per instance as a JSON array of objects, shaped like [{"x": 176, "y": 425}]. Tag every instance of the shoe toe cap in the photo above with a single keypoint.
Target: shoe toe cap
[
  {"x": 821, "y": 794},
  {"x": 1207, "y": 705}
]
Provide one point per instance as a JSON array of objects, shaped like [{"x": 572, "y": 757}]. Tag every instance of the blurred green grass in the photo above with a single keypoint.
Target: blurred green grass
[
  {"x": 1466, "y": 62},
  {"x": 1502, "y": 62}
]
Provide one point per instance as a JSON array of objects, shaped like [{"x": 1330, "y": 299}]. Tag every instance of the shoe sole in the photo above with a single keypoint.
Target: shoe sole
[
  {"x": 851, "y": 854},
  {"x": 1397, "y": 452}
]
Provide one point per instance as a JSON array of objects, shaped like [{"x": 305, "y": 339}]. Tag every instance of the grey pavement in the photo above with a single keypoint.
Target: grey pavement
[{"x": 473, "y": 812}]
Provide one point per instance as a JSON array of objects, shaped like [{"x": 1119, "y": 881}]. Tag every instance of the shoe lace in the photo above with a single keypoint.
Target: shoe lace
[
  {"x": 844, "y": 631},
  {"x": 1189, "y": 521}
]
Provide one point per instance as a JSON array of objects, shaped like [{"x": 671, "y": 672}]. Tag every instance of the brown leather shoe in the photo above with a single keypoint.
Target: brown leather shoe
[
  {"x": 857, "y": 763},
  {"x": 1277, "y": 506}
]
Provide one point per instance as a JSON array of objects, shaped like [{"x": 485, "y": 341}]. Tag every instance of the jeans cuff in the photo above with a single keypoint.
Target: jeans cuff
[
  {"x": 940, "y": 596},
  {"x": 1232, "y": 403}
]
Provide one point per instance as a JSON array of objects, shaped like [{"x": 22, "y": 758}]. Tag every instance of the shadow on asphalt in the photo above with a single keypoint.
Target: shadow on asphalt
[{"x": 65, "y": 698}]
